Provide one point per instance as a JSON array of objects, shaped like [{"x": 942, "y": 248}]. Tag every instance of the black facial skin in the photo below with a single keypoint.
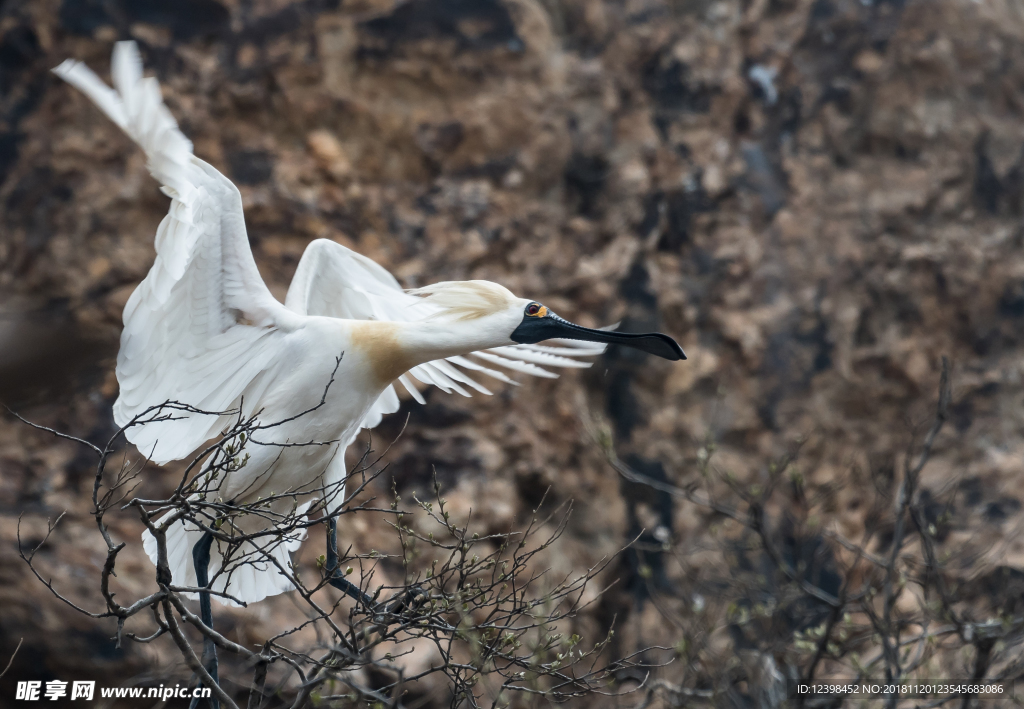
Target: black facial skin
[{"x": 536, "y": 328}]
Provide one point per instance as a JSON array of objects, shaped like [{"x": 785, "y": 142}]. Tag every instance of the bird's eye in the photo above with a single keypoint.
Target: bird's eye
[{"x": 534, "y": 309}]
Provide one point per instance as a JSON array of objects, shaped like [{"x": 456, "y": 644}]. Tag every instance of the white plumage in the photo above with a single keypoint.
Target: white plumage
[{"x": 203, "y": 329}]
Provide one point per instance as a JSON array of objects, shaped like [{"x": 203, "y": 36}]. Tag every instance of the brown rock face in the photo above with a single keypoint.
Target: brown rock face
[{"x": 818, "y": 199}]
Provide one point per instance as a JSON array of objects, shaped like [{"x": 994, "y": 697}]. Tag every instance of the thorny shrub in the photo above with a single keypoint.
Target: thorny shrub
[{"x": 499, "y": 627}]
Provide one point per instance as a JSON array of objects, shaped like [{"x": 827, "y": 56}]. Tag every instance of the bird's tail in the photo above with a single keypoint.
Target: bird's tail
[{"x": 248, "y": 571}]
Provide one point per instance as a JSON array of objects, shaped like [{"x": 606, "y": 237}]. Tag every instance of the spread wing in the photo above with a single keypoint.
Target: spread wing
[
  {"x": 202, "y": 329},
  {"x": 334, "y": 281}
]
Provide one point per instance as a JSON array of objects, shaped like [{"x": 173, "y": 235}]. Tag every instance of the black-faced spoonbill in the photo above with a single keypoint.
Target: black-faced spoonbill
[{"x": 202, "y": 329}]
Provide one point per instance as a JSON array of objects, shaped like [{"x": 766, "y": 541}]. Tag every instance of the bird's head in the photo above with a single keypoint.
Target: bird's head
[
  {"x": 539, "y": 323},
  {"x": 527, "y": 321}
]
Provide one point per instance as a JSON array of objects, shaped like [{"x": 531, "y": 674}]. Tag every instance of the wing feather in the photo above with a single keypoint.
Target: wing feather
[
  {"x": 411, "y": 388},
  {"x": 527, "y": 354},
  {"x": 592, "y": 350},
  {"x": 469, "y": 364},
  {"x": 445, "y": 367},
  {"x": 334, "y": 281},
  {"x": 515, "y": 365},
  {"x": 203, "y": 305},
  {"x": 439, "y": 375}
]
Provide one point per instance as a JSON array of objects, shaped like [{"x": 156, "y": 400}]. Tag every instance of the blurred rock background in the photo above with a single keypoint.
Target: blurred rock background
[{"x": 817, "y": 198}]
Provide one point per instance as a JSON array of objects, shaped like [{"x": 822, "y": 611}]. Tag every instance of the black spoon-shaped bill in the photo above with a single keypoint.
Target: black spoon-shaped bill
[{"x": 547, "y": 327}]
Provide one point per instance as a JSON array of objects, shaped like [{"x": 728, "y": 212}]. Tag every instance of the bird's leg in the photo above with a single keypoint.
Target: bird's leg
[
  {"x": 334, "y": 575},
  {"x": 201, "y": 560},
  {"x": 409, "y": 599}
]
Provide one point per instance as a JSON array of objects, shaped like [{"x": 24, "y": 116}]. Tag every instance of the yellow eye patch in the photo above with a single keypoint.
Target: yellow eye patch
[{"x": 536, "y": 310}]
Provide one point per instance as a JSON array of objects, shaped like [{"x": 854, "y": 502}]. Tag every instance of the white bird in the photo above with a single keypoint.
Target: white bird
[{"x": 202, "y": 329}]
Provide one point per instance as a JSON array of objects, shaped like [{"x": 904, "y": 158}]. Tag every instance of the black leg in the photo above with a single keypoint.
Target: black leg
[
  {"x": 201, "y": 560},
  {"x": 334, "y": 575},
  {"x": 408, "y": 600}
]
